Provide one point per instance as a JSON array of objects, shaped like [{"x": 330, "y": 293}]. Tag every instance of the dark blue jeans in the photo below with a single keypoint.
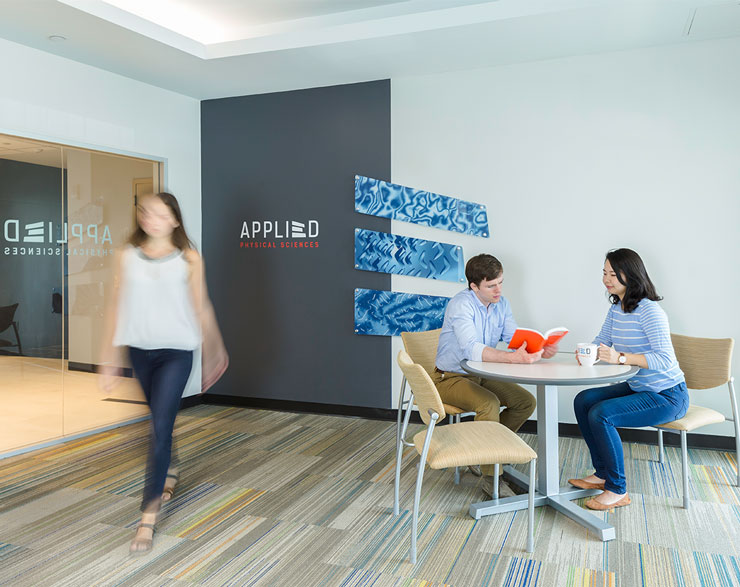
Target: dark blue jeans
[
  {"x": 162, "y": 374},
  {"x": 601, "y": 410}
]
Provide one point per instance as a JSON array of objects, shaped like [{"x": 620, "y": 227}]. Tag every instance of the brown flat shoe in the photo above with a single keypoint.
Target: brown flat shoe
[
  {"x": 592, "y": 504},
  {"x": 582, "y": 484}
]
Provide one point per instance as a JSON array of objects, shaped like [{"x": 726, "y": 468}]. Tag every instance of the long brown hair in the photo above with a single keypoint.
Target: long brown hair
[
  {"x": 179, "y": 237},
  {"x": 631, "y": 273}
]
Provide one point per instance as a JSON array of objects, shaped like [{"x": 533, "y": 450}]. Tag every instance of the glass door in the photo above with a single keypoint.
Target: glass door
[
  {"x": 100, "y": 214},
  {"x": 63, "y": 214},
  {"x": 31, "y": 298}
]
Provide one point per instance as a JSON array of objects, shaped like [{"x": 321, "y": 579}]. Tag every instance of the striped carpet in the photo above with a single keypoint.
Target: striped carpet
[{"x": 283, "y": 499}]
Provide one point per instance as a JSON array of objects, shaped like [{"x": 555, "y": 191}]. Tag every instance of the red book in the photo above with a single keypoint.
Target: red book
[{"x": 535, "y": 340}]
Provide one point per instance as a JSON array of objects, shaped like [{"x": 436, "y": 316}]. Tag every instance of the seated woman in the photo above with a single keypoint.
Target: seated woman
[{"x": 635, "y": 332}]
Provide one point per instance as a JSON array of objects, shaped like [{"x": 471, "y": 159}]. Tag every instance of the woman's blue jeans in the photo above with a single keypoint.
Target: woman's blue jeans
[
  {"x": 600, "y": 411},
  {"x": 162, "y": 374}
]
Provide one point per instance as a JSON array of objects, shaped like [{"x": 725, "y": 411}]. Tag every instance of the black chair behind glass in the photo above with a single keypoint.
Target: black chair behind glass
[{"x": 7, "y": 313}]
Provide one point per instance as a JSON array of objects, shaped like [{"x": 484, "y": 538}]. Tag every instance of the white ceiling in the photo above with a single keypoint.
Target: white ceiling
[{"x": 218, "y": 48}]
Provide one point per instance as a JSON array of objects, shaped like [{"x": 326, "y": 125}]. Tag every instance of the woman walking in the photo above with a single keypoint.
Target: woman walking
[{"x": 161, "y": 314}]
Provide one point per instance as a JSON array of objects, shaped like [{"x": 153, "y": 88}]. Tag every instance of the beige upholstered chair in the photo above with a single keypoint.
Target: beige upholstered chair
[
  {"x": 459, "y": 445},
  {"x": 706, "y": 363},
  {"x": 422, "y": 348}
]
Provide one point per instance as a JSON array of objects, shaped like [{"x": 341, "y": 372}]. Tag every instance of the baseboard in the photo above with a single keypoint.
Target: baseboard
[
  {"x": 708, "y": 441},
  {"x": 190, "y": 401},
  {"x": 303, "y": 407}
]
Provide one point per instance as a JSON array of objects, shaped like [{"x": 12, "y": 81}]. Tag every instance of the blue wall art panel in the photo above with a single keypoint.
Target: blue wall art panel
[
  {"x": 389, "y": 313},
  {"x": 402, "y": 255},
  {"x": 388, "y": 200}
]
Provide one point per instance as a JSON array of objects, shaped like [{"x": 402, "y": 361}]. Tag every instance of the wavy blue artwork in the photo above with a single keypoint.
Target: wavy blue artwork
[
  {"x": 389, "y": 313},
  {"x": 388, "y": 200},
  {"x": 402, "y": 255}
]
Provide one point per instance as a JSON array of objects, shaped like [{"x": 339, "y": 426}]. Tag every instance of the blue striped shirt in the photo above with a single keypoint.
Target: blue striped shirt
[
  {"x": 469, "y": 327},
  {"x": 644, "y": 331}
]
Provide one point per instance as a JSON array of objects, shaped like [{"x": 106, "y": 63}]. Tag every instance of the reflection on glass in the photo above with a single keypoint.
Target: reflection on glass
[
  {"x": 63, "y": 211},
  {"x": 101, "y": 190},
  {"x": 31, "y": 176}
]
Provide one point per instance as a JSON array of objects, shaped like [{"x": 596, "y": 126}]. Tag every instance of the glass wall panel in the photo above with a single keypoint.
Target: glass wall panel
[
  {"x": 31, "y": 292},
  {"x": 63, "y": 214},
  {"x": 101, "y": 197}
]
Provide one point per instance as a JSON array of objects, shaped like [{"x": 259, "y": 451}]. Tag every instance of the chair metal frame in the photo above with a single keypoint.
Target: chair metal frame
[
  {"x": 735, "y": 419},
  {"x": 433, "y": 418},
  {"x": 402, "y": 422}
]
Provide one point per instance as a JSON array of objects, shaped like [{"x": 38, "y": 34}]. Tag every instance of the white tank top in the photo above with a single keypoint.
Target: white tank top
[{"x": 155, "y": 307}]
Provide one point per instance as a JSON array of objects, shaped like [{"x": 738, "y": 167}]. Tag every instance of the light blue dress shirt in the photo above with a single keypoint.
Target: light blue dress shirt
[{"x": 469, "y": 327}]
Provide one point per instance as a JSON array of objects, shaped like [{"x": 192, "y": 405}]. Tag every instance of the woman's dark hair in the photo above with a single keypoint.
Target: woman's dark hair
[
  {"x": 179, "y": 237},
  {"x": 482, "y": 267},
  {"x": 632, "y": 274}
]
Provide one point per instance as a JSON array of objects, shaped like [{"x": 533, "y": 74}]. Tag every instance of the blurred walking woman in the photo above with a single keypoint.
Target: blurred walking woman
[
  {"x": 635, "y": 332},
  {"x": 161, "y": 314}
]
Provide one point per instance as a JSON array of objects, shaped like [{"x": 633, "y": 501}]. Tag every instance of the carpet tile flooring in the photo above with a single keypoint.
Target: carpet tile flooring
[{"x": 283, "y": 499}]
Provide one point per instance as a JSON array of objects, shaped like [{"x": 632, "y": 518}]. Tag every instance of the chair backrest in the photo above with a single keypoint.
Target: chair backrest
[
  {"x": 422, "y": 347},
  {"x": 6, "y": 316},
  {"x": 705, "y": 362},
  {"x": 426, "y": 395}
]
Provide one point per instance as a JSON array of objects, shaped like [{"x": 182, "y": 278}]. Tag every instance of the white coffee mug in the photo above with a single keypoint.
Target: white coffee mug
[{"x": 588, "y": 354}]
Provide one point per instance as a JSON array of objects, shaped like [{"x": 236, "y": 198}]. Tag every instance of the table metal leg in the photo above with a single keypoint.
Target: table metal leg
[
  {"x": 548, "y": 461},
  {"x": 593, "y": 523},
  {"x": 561, "y": 503},
  {"x": 506, "y": 504},
  {"x": 549, "y": 491}
]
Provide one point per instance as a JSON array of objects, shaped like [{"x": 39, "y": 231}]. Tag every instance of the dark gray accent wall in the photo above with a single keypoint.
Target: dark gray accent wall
[
  {"x": 31, "y": 193},
  {"x": 287, "y": 314}
]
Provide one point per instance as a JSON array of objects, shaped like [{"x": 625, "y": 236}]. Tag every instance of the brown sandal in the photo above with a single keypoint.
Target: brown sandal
[
  {"x": 168, "y": 492},
  {"x": 146, "y": 542}
]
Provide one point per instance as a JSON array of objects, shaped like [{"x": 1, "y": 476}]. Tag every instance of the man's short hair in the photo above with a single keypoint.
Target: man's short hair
[{"x": 482, "y": 267}]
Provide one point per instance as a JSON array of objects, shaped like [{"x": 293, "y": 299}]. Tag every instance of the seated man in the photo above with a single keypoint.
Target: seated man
[{"x": 476, "y": 319}]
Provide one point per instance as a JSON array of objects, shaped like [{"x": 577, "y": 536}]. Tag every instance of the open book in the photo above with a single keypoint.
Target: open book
[{"x": 535, "y": 340}]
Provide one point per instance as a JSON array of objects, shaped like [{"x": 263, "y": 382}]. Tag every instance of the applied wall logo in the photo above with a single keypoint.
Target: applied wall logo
[
  {"x": 279, "y": 234},
  {"x": 386, "y": 313}
]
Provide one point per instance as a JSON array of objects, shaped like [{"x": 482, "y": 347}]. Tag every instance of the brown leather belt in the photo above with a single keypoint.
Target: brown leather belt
[{"x": 438, "y": 370}]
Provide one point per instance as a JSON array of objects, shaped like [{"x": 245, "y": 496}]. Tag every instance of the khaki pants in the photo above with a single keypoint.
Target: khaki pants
[{"x": 485, "y": 397}]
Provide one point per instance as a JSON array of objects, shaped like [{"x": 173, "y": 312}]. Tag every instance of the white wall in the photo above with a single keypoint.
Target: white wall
[
  {"x": 47, "y": 97},
  {"x": 576, "y": 156}
]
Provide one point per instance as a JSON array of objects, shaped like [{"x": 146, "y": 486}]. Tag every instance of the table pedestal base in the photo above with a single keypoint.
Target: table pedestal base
[{"x": 561, "y": 501}]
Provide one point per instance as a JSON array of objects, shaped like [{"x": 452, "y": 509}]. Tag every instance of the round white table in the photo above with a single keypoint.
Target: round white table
[{"x": 547, "y": 375}]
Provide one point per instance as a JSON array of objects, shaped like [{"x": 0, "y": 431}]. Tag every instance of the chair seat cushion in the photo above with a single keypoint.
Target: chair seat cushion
[
  {"x": 695, "y": 417},
  {"x": 474, "y": 443}
]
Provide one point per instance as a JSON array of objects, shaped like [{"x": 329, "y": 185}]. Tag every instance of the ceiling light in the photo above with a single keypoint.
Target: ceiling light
[{"x": 57, "y": 38}]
